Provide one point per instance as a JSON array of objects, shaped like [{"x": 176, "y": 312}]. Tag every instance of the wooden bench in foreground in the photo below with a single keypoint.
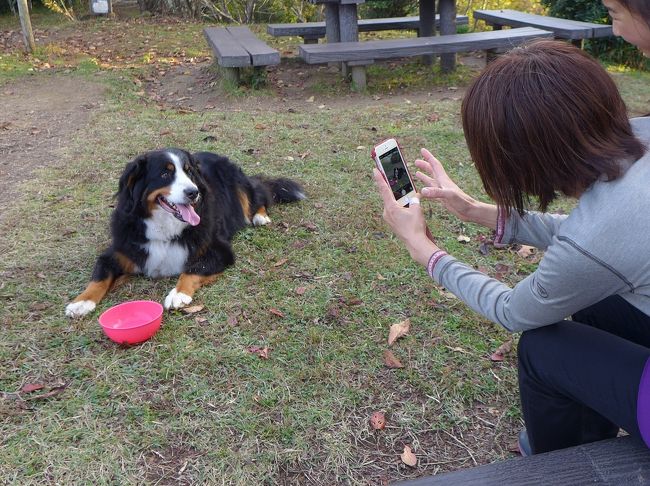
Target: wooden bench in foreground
[
  {"x": 620, "y": 461},
  {"x": 237, "y": 47},
  {"x": 359, "y": 54},
  {"x": 312, "y": 31},
  {"x": 572, "y": 30}
]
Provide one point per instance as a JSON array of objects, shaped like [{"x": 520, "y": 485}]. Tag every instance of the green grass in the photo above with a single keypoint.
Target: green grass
[{"x": 192, "y": 405}]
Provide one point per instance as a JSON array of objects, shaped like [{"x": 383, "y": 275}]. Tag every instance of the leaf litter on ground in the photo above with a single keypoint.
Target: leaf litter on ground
[
  {"x": 398, "y": 330},
  {"x": 391, "y": 361},
  {"x": 500, "y": 353},
  {"x": 408, "y": 457}
]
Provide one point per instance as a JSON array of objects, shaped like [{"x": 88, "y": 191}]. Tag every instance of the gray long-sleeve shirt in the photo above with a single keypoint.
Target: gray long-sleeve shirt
[{"x": 602, "y": 248}]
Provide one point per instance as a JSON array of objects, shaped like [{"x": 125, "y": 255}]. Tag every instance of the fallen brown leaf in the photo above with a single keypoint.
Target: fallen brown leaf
[
  {"x": 276, "y": 312},
  {"x": 55, "y": 390},
  {"x": 391, "y": 361},
  {"x": 501, "y": 351},
  {"x": 408, "y": 457},
  {"x": 200, "y": 320},
  {"x": 398, "y": 330},
  {"x": 30, "y": 387},
  {"x": 262, "y": 352},
  {"x": 525, "y": 251},
  {"x": 279, "y": 263},
  {"x": 193, "y": 309},
  {"x": 378, "y": 420},
  {"x": 300, "y": 290}
]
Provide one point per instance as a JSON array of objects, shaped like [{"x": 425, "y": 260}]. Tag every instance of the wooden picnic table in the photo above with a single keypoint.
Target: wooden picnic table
[{"x": 341, "y": 23}]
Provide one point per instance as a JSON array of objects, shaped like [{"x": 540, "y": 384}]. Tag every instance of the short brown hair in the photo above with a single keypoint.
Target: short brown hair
[{"x": 543, "y": 118}]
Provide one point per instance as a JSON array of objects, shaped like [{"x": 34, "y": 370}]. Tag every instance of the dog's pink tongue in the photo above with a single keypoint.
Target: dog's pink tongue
[{"x": 188, "y": 214}]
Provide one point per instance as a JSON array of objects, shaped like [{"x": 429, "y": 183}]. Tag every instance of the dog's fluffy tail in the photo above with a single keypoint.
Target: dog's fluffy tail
[{"x": 284, "y": 190}]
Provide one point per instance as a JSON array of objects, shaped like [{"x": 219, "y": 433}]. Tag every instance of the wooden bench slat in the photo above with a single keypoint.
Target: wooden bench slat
[
  {"x": 563, "y": 28},
  {"x": 261, "y": 54},
  {"x": 623, "y": 460},
  {"x": 317, "y": 29},
  {"x": 229, "y": 52},
  {"x": 386, "y": 49}
]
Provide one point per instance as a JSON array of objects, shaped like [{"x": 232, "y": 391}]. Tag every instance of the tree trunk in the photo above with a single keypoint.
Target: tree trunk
[{"x": 26, "y": 24}]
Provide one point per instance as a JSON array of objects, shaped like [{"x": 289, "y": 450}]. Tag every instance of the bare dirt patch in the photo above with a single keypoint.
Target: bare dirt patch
[
  {"x": 38, "y": 119},
  {"x": 197, "y": 87}
]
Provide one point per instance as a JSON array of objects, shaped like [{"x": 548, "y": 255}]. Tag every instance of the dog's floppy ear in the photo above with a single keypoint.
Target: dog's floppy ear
[
  {"x": 195, "y": 171},
  {"x": 131, "y": 184}
]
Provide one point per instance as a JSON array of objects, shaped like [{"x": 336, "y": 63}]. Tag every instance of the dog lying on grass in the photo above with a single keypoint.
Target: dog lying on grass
[{"x": 176, "y": 214}]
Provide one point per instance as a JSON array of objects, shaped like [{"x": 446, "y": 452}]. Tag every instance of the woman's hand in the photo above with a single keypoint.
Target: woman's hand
[
  {"x": 440, "y": 187},
  {"x": 407, "y": 223}
]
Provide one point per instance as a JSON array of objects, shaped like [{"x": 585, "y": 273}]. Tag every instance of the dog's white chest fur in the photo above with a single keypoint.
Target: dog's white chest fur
[{"x": 166, "y": 258}]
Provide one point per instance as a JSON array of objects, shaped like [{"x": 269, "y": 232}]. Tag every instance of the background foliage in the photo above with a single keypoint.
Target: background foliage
[{"x": 612, "y": 49}]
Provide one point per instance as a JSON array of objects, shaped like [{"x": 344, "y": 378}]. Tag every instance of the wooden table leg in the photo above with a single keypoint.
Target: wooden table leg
[
  {"x": 348, "y": 22},
  {"x": 427, "y": 23},
  {"x": 447, "y": 10},
  {"x": 332, "y": 26}
]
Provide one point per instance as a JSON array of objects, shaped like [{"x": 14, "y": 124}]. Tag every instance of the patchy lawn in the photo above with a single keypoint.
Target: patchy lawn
[{"x": 320, "y": 287}]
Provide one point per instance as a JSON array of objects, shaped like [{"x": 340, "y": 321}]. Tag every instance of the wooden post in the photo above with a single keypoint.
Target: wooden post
[
  {"x": 26, "y": 24},
  {"x": 447, "y": 10},
  {"x": 349, "y": 29},
  {"x": 332, "y": 26},
  {"x": 427, "y": 23}
]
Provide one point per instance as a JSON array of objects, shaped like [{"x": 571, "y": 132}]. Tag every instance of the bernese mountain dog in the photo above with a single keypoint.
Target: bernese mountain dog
[{"x": 176, "y": 214}]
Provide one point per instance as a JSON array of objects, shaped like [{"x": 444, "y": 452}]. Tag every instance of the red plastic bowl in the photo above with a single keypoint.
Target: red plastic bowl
[{"x": 132, "y": 322}]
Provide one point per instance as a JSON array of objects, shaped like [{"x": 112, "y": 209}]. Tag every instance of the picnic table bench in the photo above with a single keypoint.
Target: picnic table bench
[
  {"x": 572, "y": 30},
  {"x": 614, "y": 462},
  {"x": 237, "y": 47},
  {"x": 359, "y": 54},
  {"x": 312, "y": 31}
]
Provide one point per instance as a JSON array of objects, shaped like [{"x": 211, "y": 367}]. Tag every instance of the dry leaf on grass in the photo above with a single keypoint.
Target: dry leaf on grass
[
  {"x": 463, "y": 239},
  {"x": 54, "y": 390},
  {"x": 525, "y": 251},
  {"x": 30, "y": 387},
  {"x": 276, "y": 312},
  {"x": 398, "y": 330},
  {"x": 193, "y": 309},
  {"x": 408, "y": 457},
  {"x": 391, "y": 361},
  {"x": 501, "y": 351},
  {"x": 262, "y": 352},
  {"x": 378, "y": 420},
  {"x": 279, "y": 263},
  {"x": 200, "y": 320},
  {"x": 300, "y": 290}
]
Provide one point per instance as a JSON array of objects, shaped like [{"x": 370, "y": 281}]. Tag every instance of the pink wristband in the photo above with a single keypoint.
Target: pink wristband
[{"x": 433, "y": 259}]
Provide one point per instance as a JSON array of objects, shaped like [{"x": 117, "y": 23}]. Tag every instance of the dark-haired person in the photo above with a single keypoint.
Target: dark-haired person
[
  {"x": 631, "y": 21},
  {"x": 543, "y": 119}
]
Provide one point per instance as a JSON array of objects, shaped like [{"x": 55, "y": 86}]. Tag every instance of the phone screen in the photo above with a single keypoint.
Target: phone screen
[{"x": 396, "y": 173}]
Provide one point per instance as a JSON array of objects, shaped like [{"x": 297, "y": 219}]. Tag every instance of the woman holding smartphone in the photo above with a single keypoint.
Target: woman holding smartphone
[{"x": 543, "y": 119}]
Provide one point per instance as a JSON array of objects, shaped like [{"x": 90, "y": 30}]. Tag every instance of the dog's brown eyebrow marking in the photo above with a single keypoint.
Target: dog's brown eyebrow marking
[{"x": 171, "y": 167}]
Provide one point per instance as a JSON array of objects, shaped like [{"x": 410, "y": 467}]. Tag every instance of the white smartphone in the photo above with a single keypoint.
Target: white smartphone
[{"x": 391, "y": 164}]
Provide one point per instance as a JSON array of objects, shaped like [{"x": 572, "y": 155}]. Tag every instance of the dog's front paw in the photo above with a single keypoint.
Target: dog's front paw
[
  {"x": 261, "y": 220},
  {"x": 176, "y": 300},
  {"x": 80, "y": 308}
]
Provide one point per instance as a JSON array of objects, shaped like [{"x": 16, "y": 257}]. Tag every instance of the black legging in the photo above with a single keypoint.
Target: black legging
[{"x": 579, "y": 379}]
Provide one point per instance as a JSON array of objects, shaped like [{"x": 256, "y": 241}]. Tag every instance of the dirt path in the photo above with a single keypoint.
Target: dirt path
[{"x": 38, "y": 118}]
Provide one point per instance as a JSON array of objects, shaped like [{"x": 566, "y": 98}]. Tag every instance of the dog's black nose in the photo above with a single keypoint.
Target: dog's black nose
[{"x": 191, "y": 193}]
